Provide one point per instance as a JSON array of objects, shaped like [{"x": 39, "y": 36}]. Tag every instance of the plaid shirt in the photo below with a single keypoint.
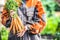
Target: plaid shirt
[{"x": 32, "y": 14}]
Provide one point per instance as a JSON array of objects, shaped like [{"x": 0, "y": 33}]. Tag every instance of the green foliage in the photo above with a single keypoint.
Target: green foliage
[
  {"x": 11, "y": 5},
  {"x": 4, "y": 33},
  {"x": 52, "y": 20},
  {"x": 49, "y": 6},
  {"x": 51, "y": 26}
]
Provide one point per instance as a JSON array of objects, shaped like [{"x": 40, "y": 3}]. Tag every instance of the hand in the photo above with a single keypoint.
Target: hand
[
  {"x": 21, "y": 33},
  {"x": 12, "y": 13}
]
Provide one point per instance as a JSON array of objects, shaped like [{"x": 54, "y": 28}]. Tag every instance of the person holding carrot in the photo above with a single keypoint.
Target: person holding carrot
[{"x": 33, "y": 18}]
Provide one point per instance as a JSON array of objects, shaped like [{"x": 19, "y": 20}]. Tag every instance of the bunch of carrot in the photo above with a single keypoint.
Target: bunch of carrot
[{"x": 16, "y": 23}]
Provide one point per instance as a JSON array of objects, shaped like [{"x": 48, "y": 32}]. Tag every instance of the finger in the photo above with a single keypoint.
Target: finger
[{"x": 19, "y": 34}]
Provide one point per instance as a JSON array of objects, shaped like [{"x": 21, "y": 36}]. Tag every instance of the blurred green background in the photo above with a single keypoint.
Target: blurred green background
[
  {"x": 52, "y": 9},
  {"x": 52, "y": 29}
]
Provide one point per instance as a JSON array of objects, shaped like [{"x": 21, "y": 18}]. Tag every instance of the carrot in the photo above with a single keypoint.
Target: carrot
[
  {"x": 19, "y": 26},
  {"x": 20, "y": 22},
  {"x": 14, "y": 26}
]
